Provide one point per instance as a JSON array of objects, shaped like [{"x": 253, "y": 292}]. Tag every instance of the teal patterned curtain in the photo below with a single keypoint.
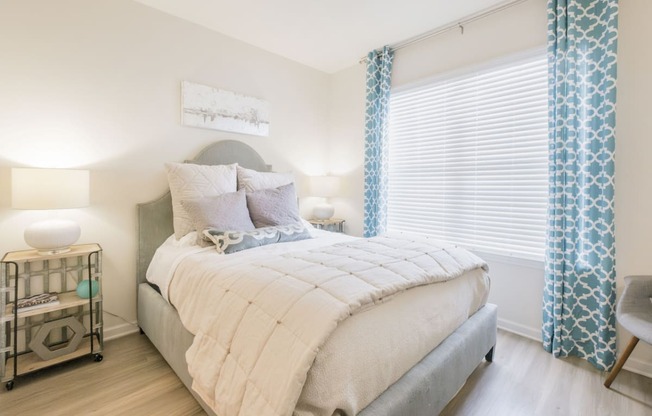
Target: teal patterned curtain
[
  {"x": 579, "y": 295},
  {"x": 379, "y": 79}
]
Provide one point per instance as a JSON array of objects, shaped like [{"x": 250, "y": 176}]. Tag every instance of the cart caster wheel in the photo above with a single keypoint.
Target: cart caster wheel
[
  {"x": 9, "y": 385},
  {"x": 98, "y": 357}
]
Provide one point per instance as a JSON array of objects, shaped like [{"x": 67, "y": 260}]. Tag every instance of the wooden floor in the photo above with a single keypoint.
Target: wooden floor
[
  {"x": 523, "y": 380},
  {"x": 526, "y": 380}
]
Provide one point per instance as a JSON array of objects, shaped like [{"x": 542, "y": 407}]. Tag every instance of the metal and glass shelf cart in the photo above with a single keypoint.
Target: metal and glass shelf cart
[{"x": 50, "y": 334}]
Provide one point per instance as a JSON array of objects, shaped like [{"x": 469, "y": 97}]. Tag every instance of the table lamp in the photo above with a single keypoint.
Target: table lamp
[
  {"x": 325, "y": 187},
  {"x": 50, "y": 189}
]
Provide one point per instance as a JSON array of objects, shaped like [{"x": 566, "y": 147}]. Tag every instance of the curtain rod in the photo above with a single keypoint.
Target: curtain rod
[{"x": 447, "y": 28}]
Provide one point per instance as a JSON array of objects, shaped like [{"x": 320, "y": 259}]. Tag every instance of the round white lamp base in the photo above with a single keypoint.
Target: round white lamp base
[
  {"x": 52, "y": 236},
  {"x": 323, "y": 211}
]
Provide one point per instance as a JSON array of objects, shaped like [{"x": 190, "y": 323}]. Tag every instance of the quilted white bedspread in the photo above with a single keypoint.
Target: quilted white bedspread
[{"x": 251, "y": 354}]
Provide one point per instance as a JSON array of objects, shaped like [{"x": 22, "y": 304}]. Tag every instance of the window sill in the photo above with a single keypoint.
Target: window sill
[{"x": 518, "y": 261}]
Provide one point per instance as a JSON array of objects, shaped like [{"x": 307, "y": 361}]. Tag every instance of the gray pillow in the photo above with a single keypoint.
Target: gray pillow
[
  {"x": 233, "y": 241},
  {"x": 222, "y": 212},
  {"x": 270, "y": 207}
]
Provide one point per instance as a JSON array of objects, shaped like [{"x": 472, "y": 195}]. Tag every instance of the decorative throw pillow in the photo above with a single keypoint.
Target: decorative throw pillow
[
  {"x": 269, "y": 207},
  {"x": 189, "y": 181},
  {"x": 233, "y": 241},
  {"x": 252, "y": 180},
  {"x": 222, "y": 212}
]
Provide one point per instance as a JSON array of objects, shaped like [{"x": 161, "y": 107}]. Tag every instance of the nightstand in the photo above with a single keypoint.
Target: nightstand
[
  {"x": 331, "y": 224},
  {"x": 50, "y": 333}
]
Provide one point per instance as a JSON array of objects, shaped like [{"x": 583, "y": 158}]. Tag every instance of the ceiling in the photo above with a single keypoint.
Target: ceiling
[{"x": 328, "y": 35}]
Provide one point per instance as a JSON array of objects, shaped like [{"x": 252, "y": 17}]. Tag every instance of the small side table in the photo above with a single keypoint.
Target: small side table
[
  {"x": 332, "y": 224},
  {"x": 43, "y": 336}
]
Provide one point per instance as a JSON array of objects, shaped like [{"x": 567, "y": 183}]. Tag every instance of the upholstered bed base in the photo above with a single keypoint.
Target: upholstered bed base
[
  {"x": 161, "y": 323},
  {"x": 424, "y": 390},
  {"x": 428, "y": 387}
]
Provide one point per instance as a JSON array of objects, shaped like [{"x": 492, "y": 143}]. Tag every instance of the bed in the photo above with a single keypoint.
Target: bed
[{"x": 423, "y": 389}]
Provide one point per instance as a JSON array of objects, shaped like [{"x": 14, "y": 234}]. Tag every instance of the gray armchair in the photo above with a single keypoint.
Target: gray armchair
[{"x": 634, "y": 313}]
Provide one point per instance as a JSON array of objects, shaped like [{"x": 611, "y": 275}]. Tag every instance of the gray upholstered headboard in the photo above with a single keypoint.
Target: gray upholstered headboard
[{"x": 155, "y": 217}]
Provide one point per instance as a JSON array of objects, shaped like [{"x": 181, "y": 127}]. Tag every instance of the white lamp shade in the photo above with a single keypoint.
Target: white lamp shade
[
  {"x": 324, "y": 186},
  {"x": 49, "y": 188}
]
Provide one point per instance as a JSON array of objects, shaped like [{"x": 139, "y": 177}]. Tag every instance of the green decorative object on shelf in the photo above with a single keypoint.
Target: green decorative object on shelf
[{"x": 82, "y": 288}]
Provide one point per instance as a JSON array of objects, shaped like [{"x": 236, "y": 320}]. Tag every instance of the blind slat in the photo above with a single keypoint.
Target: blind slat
[{"x": 468, "y": 159}]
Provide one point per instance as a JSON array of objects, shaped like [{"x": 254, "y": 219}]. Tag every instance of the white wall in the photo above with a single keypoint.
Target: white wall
[
  {"x": 346, "y": 144},
  {"x": 517, "y": 286},
  {"x": 96, "y": 85}
]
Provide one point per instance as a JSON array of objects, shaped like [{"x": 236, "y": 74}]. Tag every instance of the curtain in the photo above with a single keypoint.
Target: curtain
[
  {"x": 579, "y": 294},
  {"x": 379, "y": 70}
]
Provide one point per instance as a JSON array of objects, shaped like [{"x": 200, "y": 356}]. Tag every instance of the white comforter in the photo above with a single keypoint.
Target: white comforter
[{"x": 269, "y": 317}]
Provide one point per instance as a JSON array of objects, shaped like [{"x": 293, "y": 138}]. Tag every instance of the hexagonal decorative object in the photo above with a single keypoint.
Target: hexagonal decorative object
[{"x": 43, "y": 351}]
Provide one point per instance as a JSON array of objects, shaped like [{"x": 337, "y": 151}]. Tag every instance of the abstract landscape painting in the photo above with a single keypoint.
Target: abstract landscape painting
[{"x": 213, "y": 108}]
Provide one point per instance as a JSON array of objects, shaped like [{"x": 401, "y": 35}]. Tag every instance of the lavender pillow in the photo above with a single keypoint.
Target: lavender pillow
[
  {"x": 271, "y": 207},
  {"x": 222, "y": 212},
  {"x": 189, "y": 181}
]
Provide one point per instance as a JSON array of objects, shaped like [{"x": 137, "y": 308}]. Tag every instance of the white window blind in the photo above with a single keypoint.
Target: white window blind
[{"x": 468, "y": 159}]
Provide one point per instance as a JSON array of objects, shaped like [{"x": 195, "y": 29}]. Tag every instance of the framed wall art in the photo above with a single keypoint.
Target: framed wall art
[{"x": 212, "y": 108}]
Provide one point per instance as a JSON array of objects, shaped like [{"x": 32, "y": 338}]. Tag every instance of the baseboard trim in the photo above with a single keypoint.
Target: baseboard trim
[
  {"x": 639, "y": 367},
  {"x": 519, "y": 329},
  {"x": 634, "y": 365},
  {"x": 121, "y": 330}
]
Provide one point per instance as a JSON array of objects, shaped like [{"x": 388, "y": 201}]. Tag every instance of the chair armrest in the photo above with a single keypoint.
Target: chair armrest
[
  {"x": 641, "y": 286},
  {"x": 634, "y": 310}
]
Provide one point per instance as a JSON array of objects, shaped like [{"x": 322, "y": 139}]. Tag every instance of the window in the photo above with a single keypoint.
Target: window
[{"x": 468, "y": 158}]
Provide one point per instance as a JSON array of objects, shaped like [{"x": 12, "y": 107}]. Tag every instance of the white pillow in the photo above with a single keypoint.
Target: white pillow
[
  {"x": 188, "y": 181},
  {"x": 252, "y": 180},
  {"x": 187, "y": 240}
]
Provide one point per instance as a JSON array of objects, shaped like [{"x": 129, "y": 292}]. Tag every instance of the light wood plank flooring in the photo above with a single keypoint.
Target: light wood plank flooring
[
  {"x": 526, "y": 380},
  {"x": 133, "y": 379}
]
